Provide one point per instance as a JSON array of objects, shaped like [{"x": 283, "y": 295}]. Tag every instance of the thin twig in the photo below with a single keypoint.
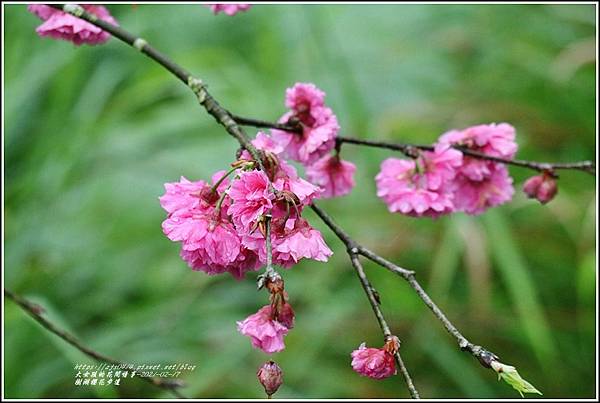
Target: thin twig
[
  {"x": 374, "y": 302},
  {"x": 353, "y": 247},
  {"x": 36, "y": 312},
  {"x": 408, "y": 149}
]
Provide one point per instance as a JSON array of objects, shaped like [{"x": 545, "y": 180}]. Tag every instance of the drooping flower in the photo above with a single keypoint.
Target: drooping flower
[
  {"x": 291, "y": 240},
  {"x": 376, "y": 363},
  {"x": 229, "y": 9},
  {"x": 474, "y": 197},
  {"x": 421, "y": 186},
  {"x": 60, "y": 25},
  {"x": 265, "y": 332},
  {"x": 541, "y": 187},
  {"x": 334, "y": 175},
  {"x": 210, "y": 242},
  {"x": 319, "y": 124},
  {"x": 270, "y": 377}
]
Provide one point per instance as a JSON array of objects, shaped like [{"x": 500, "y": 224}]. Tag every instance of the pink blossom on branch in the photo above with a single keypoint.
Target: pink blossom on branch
[
  {"x": 319, "y": 124},
  {"x": 251, "y": 198},
  {"x": 376, "y": 363},
  {"x": 60, "y": 25},
  {"x": 421, "y": 186},
  {"x": 291, "y": 241},
  {"x": 474, "y": 197},
  {"x": 210, "y": 242},
  {"x": 265, "y": 332},
  {"x": 334, "y": 175},
  {"x": 228, "y": 8},
  {"x": 497, "y": 140}
]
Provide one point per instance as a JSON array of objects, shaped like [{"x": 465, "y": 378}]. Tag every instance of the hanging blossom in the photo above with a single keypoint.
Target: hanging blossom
[
  {"x": 221, "y": 226},
  {"x": 376, "y": 363},
  {"x": 60, "y": 25},
  {"x": 265, "y": 332},
  {"x": 319, "y": 124},
  {"x": 210, "y": 242},
  {"x": 228, "y": 8},
  {"x": 481, "y": 184},
  {"x": 292, "y": 237},
  {"x": 420, "y": 186},
  {"x": 334, "y": 175},
  {"x": 271, "y": 323}
]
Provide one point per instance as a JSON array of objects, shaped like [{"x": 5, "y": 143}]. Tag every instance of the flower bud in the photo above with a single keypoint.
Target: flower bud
[
  {"x": 541, "y": 187},
  {"x": 270, "y": 377}
]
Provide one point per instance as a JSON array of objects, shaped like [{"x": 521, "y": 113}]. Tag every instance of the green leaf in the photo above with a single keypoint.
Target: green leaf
[{"x": 510, "y": 375}]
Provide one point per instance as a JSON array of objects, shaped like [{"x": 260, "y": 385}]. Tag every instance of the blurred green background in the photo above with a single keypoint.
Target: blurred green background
[{"x": 93, "y": 133}]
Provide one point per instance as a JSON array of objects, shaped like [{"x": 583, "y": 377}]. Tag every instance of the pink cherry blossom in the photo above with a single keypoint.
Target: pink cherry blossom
[
  {"x": 265, "y": 332},
  {"x": 497, "y": 140},
  {"x": 251, "y": 198},
  {"x": 541, "y": 187},
  {"x": 265, "y": 142},
  {"x": 474, "y": 197},
  {"x": 319, "y": 124},
  {"x": 291, "y": 241},
  {"x": 181, "y": 196},
  {"x": 422, "y": 186},
  {"x": 210, "y": 242},
  {"x": 334, "y": 175},
  {"x": 229, "y": 9},
  {"x": 60, "y": 25},
  {"x": 304, "y": 96},
  {"x": 376, "y": 363}
]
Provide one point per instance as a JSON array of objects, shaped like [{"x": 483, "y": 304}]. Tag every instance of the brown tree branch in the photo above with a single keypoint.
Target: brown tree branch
[
  {"x": 36, "y": 312},
  {"x": 354, "y": 249},
  {"x": 408, "y": 149}
]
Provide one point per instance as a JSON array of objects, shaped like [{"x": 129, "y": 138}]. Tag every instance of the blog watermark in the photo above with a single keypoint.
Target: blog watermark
[{"x": 114, "y": 374}]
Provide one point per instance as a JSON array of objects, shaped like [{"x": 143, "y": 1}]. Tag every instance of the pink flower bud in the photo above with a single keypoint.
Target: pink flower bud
[
  {"x": 270, "y": 377},
  {"x": 541, "y": 187}
]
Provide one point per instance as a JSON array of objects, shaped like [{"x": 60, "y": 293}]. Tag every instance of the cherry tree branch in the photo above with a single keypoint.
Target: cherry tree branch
[
  {"x": 36, "y": 312},
  {"x": 354, "y": 249},
  {"x": 409, "y": 149}
]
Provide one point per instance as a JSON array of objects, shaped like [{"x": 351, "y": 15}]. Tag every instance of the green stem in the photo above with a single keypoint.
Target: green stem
[{"x": 214, "y": 187}]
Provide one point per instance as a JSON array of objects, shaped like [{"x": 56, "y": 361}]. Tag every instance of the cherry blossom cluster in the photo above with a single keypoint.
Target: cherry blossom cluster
[
  {"x": 221, "y": 225},
  {"x": 314, "y": 145},
  {"x": 444, "y": 180}
]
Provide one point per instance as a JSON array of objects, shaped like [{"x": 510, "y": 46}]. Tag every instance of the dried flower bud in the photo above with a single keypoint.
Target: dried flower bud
[
  {"x": 285, "y": 316},
  {"x": 270, "y": 377},
  {"x": 541, "y": 187},
  {"x": 392, "y": 345}
]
